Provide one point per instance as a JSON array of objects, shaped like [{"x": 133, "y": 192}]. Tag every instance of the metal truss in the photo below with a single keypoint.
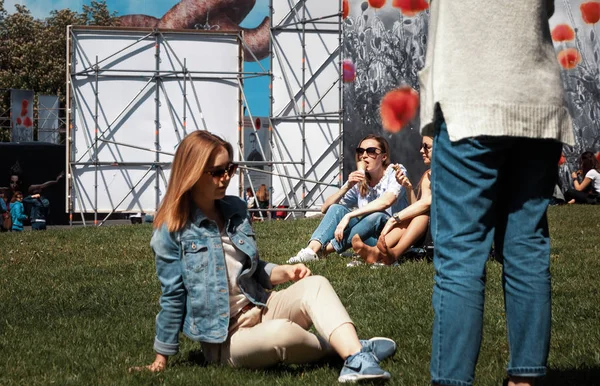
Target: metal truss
[
  {"x": 89, "y": 156},
  {"x": 304, "y": 108}
]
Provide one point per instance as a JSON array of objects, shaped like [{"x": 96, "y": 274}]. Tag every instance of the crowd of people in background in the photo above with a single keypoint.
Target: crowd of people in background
[{"x": 16, "y": 208}]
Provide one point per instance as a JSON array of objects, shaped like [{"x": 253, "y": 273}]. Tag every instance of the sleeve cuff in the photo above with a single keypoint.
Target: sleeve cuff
[
  {"x": 269, "y": 268},
  {"x": 167, "y": 349}
]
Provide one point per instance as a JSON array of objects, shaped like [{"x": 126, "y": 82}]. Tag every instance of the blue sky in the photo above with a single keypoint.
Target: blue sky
[{"x": 257, "y": 89}]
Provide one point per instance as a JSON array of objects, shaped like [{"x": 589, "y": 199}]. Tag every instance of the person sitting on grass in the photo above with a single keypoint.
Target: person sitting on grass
[
  {"x": 409, "y": 226},
  {"x": 262, "y": 196},
  {"x": 372, "y": 189},
  {"x": 39, "y": 208},
  {"x": 218, "y": 292},
  {"x": 588, "y": 190},
  {"x": 17, "y": 211}
]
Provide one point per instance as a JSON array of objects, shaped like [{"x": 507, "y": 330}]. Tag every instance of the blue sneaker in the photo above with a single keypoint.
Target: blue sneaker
[
  {"x": 382, "y": 348},
  {"x": 362, "y": 366}
]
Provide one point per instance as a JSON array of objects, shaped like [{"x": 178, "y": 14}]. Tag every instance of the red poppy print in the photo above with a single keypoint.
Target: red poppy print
[
  {"x": 563, "y": 33},
  {"x": 257, "y": 124},
  {"x": 398, "y": 108},
  {"x": 410, "y": 7},
  {"x": 24, "y": 111},
  {"x": 569, "y": 58},
  {"x": 27, "y": 122},
  {"x": 590, "y": 11},
  {"x": 348, "y": 71},
  {"x": 377, "y": 3},
  {"x": 562, "y": 159},
  {"x": 345, "y": 9},
  {"x": 19, "y": 120},
  {"x": 24, "y": 104},
  {"x": 598, "y": 156}
]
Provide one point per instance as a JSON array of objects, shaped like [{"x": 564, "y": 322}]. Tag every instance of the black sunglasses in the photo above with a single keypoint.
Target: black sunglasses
[
  {"x": 220, "y": 172},
  {"x": 425, "y": 147},
  {"x": 372, "y": 152}
]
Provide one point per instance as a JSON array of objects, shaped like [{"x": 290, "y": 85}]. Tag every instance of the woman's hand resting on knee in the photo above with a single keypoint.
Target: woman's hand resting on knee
[
  {"x": 284, "y": 273},
  {"x": 389, "y": 225},
  {"x": 341, "y": 227}
]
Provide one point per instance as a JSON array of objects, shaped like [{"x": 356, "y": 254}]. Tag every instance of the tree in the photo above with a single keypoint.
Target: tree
[{"x": 33, "y": 51}]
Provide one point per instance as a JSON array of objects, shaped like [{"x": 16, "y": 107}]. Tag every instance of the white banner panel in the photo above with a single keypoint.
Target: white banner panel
[
  {"x": 288, "y": 12},
  {"x": 322, "y": 162},
  {"x": 48, "y": 108},
  {"x": 306, "y": 103},
  {"x": 21, "y": 111},
  {"x": 321, "y": 73},
  {"x": 127, "y": 118}
]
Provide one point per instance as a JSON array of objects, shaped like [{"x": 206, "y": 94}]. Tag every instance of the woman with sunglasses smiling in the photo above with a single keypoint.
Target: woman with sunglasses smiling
[
  {"x": 218, "y": 292},
  {"x": 409, "y": 226},
  {"x": 372, "y": 190}
]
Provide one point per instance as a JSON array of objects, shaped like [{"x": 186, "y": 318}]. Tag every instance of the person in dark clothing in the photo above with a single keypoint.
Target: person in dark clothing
[
  {"x": 5, "y": 219},
  {"x": 39, "y": 209},
  {"x": 586, "y": 181}
]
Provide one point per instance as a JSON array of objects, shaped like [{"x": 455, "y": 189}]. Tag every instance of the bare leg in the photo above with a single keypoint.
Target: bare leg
[
  {"x": 396, "y": 233},
  {"x": 315, "y": 246},
  {"x": 415, "y": 230},
  {"x": 369, "y": 254}
]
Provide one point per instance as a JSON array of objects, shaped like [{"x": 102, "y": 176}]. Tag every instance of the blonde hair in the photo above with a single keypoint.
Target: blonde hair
[
  {"x": 262, "y": 194},
  {"x": 191, "y": 158},
  {"x": 385, "y": 149}
]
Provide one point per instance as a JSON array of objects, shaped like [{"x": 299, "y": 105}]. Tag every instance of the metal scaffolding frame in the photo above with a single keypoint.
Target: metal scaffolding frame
[
  {"x": 304, "y": 188},
  {"x": 302, "y": 108},
  {"x": 154, "y": 78}
]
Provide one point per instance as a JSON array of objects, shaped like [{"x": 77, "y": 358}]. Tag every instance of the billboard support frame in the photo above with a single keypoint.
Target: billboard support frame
[
  {"x": 303, "y": 116},
  {"x": 73, "y": 190}
]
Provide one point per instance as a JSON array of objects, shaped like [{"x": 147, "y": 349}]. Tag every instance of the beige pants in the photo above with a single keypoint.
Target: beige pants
[{"x": 278, "y": 333}]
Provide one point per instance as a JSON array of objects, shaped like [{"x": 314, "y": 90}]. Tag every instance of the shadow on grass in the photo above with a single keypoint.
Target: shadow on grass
[
  {"x": 572, "y": 377},
  {"x": 196, "y": 358}
]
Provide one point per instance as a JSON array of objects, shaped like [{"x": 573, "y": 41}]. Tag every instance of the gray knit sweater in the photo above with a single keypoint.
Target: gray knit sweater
[{"x": 491, "y": 66}]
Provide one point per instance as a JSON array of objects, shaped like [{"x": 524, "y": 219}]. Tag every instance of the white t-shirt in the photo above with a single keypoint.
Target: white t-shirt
[
  {"x": 353, "y": 199},
  {"x": 234, "y": 259},
  {"x": 595, "y": 177}
]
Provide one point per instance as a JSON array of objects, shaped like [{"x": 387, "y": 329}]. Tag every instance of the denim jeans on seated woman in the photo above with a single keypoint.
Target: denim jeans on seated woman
[
  {"x": 367, "y": 227},
  {"x": 490, "y": 189}
]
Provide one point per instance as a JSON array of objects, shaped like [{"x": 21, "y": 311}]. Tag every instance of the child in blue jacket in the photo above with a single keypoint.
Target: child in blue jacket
[{"x": 17, "y": 212}]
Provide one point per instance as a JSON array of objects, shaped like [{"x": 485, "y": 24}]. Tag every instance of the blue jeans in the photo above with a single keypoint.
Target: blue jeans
[
  {"x": 367, "y": 227},
  {"x": 490, "y": 189}
]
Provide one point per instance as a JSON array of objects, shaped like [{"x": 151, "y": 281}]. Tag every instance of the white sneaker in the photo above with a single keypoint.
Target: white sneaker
[{"x": 305, "y": 255}]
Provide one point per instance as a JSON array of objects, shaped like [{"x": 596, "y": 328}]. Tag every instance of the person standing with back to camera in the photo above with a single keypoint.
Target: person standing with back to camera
[
  {"x": 492, "y": 85},
  {"x": 218, "y": 292}
]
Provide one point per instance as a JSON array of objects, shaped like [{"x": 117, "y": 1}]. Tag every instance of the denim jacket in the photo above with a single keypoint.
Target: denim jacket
[{"x": 191, "y": 268}]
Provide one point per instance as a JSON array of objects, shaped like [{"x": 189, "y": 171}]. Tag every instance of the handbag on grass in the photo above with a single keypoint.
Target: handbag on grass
[{"x": 6, "y": 221}]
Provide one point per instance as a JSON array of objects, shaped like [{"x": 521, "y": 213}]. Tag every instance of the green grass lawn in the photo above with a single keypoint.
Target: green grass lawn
[{"x": 78, "y": 306}]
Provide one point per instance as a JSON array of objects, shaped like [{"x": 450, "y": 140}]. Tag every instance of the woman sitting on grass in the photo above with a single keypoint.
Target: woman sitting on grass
[
  {"x": 588, "y": 190},
  {"x": 372, "y": 189},
  {"x": 409, "y": 226},
  {"x": 215, "y": 288},
  {"x": 262, "y": 196}
]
